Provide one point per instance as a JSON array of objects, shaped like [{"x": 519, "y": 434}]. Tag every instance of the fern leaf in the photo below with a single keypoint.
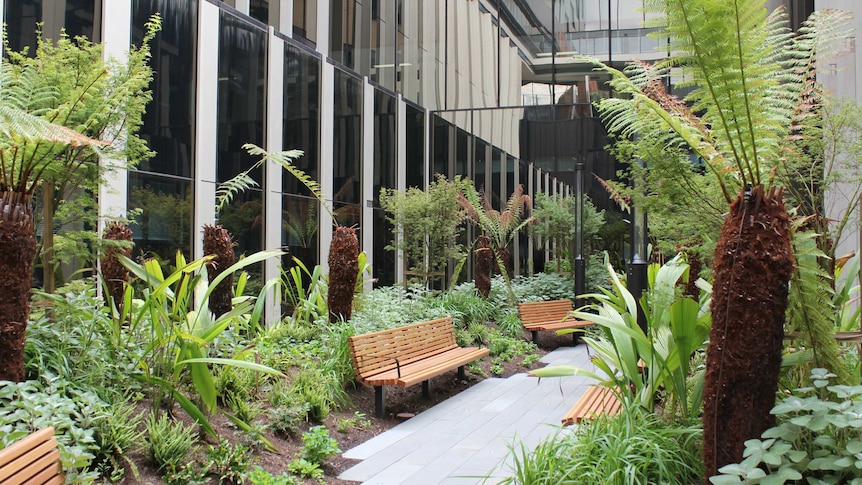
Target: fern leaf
[{"x": 226, "y": 191}]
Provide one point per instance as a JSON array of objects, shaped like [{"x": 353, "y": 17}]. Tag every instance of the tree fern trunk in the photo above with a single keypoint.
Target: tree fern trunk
[
  {"x": 17, "y": 251},
  {"x": 115, "y": 275},
  {"x": 343, "y": 270},
  {"x": 484, "y": 266},
  {"x": 753, "y": 265},
  {"x": 219, "y": 243}
]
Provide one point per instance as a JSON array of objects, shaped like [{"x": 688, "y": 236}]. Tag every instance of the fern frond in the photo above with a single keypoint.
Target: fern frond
[
  {"x": 812, "y": 312},
  {"x": 226, "y": 191}
]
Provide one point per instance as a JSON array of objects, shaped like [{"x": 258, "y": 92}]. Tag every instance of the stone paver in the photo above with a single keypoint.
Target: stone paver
[{"x": 466, "y": 439}]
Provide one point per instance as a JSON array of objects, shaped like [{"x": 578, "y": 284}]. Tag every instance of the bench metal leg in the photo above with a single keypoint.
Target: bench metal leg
[
  {"x": 426, "y": 388},
  {"x": 576, "y": 338},
  {"x": 461, "y": 374},
  {"x": 379, "y": 401},
  {"x": 536, "y": 337}
]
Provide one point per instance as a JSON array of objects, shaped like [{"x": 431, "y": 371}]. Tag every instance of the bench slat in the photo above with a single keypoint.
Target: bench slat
[
  {"x": 595, "y": 401},
  {"x": 427, "y": 368},
  {"x": 33, "y": 460},
  {"x": 548, "y": 316}
]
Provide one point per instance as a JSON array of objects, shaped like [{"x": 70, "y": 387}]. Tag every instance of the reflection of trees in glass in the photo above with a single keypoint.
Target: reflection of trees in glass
[
  {"x": 163, "y": 226},
  {"x": 299, "y": 222}
]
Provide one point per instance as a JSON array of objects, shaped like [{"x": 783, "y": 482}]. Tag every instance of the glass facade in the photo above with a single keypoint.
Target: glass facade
[
  {"x": 384, "y": 177},
  {"x": 415, "y": 147},
  {"x": 241, "y": 113},
  {"x": 347, "y": 149},
  {"x": 168, "y": 128}
]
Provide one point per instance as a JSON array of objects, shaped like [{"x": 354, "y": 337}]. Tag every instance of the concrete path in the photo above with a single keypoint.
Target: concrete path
[{"x": 466, "y": 439}]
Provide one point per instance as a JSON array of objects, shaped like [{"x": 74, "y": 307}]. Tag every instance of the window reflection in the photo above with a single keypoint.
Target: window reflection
[
  {"x": 164, "y": 224},
  {"x": 384, "y": 261},
  {"x": 385, "y": 161},
  {"x": 83, "y": 18},
  {"x": 347, "y": 139},
  {"x": 259, "y": 9},
  {"x": 415, "y": 141},
  {"x": 168, "y": 124},
  {"x": 299, "y": 228},
  {"x": 20, "y": 23},
  {"x": 301, "y": 123}
]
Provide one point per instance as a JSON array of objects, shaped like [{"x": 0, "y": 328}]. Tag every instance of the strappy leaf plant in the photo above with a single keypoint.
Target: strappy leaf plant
[{"x": 751, "y": 82}]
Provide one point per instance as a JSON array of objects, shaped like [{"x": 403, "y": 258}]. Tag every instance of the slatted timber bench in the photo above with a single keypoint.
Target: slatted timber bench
[
  {"x": 32, "y": 460},
  {"x": 551, "y": 315},
  {"x": 596, "y": 401},
  {"x": 409, "y": 355}
]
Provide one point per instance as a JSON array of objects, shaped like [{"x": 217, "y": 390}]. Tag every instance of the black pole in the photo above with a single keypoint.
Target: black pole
[
  {"x": 636, "y": 269},
  {"x": 580, "y": 262}
]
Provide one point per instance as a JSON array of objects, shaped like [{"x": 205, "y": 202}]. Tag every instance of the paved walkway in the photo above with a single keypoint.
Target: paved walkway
[{"x": 467, "y": 437}]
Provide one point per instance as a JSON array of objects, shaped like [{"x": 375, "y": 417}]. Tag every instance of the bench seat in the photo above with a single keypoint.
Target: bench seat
[
  {"x": 549, "y": 316},
  {"x": 595, "y": 401},
  {"x": 32, "y": 460},
  {"x": 408, "y": 355}
]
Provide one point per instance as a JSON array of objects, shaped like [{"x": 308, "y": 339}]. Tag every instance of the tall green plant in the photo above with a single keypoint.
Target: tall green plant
[
  {"x": 181, "y": 338},
  {"x": 751, "y": 80},
  {"x": 554, "y": 221},
  {"x": 426, "y": 224}
]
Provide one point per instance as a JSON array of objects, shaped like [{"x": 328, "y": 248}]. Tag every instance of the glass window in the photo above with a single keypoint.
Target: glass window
[
  {"x": 480, "y": 166},
  {"x": 498, "y": 197},
  {"x": 241, "y": 96},
  {"x": 301, "y": 123},
  {"x": 299, "y": 229},
  {"x": 415, "y": 141},
  {"x": 305, "y": 19},
  {"x": 441, "y": 145},
  {"x": 347, "y": 139},
  {"x": 259, "y": 9},
  {"x": 384, "y": 142},
  {"x": 165, "y": 223},
  {"x": 83, "y": 18},
  {"x": 384, "y": 261},
  {"x": 20, "y": 23},
  {"x": 168, "y": 124}
]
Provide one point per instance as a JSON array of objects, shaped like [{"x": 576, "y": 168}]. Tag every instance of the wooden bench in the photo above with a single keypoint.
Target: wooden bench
[
  {"x": 32, "y": 460},
  {"x": 549, "y": 316},
  {"x": 597, "y": 400},
  {"x": 409, "y": 355}
]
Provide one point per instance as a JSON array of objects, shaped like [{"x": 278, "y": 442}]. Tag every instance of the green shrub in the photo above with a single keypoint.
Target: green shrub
[
  {"x": 117, "y": 435},
  {"x": 259, "y": 476},
  {"x": 318, "y": 446},
  {"x": 635, "y": 447},
  {"x": 357, "y": 421},
  {"x": 169, "y": 442},
  {"x": 229, "y": 462},
  {"x": 321, "y": 391},
  {"x": 285, "y": 419},
  {"x": 818, "y": 438},
  {"x": 306, "y": 469}
]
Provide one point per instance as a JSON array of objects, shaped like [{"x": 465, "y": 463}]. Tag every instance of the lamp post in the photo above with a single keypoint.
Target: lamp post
[
  {"x": 580, "y": 263},
  {"x": 636, "y": 269}
]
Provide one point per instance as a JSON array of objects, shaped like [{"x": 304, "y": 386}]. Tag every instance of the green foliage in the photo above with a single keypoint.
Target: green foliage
[
  {"x": 259, "y": 476},
  {"x": 357, "y": 421},
  {"x": 118, "y": 436},
  {"x": 554, "y": 221},
  {"x": 426, "y": 224},
  {"x": 287, "y": 418},
  {"x": 677, "y": 329},
  {"x": 180, "y": 338},
  {"x": 320, "y": 390},
  {"x": 229, "y": 462},
  {"x": 169, "y": 442},
  {"x": 306, "y": 469},
  {"x": 544, "y": 286},
  {"x": 308, "y": 301},
  {"x": 811, "y": 310},
  {"x": 318, "y": 446},
  {"x": 635, "y": 447},
  {"x": 817, "y": 439},
  {"x": 68, "y": 82},
  {"x": 52, "y": 402},
  {"x": 244, "y": 409}
]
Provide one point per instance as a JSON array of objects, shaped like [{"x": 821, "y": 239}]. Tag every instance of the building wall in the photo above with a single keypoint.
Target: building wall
[{"x": 350, "y": 83}]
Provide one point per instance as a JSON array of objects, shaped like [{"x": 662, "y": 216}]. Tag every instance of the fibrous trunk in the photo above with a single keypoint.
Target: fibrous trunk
[
  {"x": 17, "y": 250},
  {"x": 115, "y": 275},
  {"x": 484, "y": 265},
  {"x": 343, "y": 270},
  {"x": 753, "y": 265},
  {"x": 219, "y": 244}
]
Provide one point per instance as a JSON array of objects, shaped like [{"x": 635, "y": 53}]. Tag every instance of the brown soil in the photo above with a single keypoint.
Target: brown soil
[{"x": 398, "y": 402}]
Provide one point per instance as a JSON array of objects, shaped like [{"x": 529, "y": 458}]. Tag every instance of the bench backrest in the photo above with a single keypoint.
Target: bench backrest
[
  {"x": 376, "y": 352},
  {"x": 32, "y": 460},
  {"x": 543, "y": 311}
]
